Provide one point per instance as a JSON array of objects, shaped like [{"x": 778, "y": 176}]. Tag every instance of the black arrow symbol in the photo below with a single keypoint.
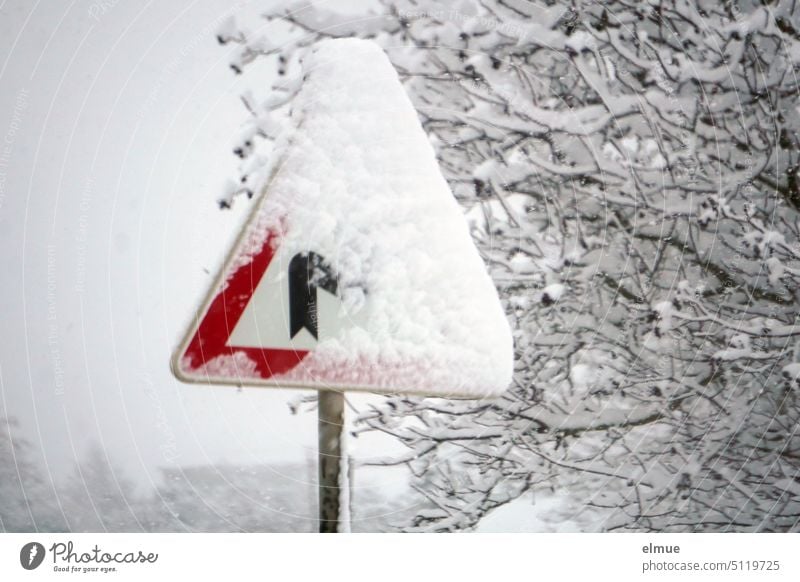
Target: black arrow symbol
[{"x": 307, "y": 273}]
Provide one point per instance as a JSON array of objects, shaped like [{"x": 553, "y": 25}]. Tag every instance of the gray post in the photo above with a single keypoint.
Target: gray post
[{"x": 331, "y": 426}]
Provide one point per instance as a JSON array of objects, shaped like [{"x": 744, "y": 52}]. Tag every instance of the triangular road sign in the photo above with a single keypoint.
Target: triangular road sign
[{"x": 356, "y": 270}]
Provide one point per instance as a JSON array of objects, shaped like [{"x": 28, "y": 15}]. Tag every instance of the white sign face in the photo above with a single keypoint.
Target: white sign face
[
  {"x": 356, "y": 270},
  {"x": 288, "y": 311}
]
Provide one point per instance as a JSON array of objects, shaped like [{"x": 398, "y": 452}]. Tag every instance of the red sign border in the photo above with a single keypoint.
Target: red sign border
[{"x": 214, "y": 325}]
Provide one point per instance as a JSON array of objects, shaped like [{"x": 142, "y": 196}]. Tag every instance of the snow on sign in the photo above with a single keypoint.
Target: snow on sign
[{"x": 356, "y": 270}]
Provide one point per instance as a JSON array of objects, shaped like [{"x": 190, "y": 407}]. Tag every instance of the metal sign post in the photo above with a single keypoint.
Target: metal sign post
[{"x": 331, "y": 432}]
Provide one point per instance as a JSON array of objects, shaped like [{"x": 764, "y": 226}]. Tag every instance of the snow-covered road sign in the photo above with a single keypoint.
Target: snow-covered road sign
[{"x": 356, "y": 269}]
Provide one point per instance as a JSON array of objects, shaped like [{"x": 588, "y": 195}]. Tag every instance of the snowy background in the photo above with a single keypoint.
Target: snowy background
[{"x": 628, "y": 177}]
